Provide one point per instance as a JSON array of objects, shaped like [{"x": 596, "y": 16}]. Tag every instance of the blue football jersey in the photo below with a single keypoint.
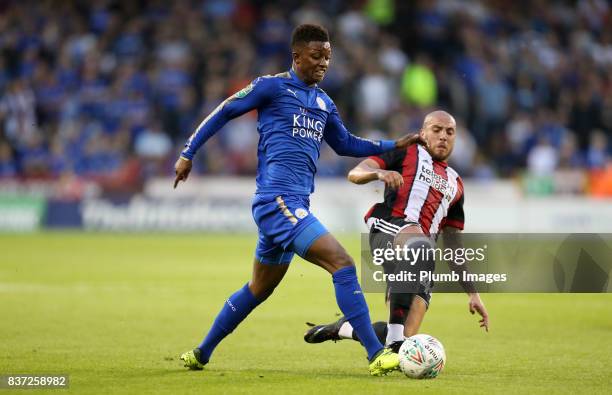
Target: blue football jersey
[{"x": 293, "y": 120}]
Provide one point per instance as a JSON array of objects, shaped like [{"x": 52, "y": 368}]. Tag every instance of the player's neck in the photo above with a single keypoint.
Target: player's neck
[
  {"x": 438, "y": 160},
  {"x": 301, "y": 77}
]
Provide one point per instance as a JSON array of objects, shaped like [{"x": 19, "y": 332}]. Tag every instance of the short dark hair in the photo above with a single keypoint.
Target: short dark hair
[{"x": 308, "y": 32}]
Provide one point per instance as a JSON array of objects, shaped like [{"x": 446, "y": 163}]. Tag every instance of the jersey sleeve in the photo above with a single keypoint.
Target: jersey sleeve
[
  {"x": 253, "y": 96},
  {"x": 347, "y": 144},
  {"x": 390, "y": 160},
  {"x": 456, "y": 216}
]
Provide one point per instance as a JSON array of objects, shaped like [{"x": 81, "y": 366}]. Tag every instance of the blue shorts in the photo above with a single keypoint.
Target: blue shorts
[{"x": 286, "y": 226}]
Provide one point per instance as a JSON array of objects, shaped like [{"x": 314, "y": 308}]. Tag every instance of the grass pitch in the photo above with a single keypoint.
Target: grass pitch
[{"x": 115, "y": 311}]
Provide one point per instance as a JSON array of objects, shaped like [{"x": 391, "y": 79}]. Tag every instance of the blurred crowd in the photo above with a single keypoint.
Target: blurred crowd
[{"x": 110, "y": 90}]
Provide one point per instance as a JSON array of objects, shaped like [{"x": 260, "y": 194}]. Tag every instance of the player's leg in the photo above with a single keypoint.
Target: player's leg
[
  {"x": 265, "y": 278},
  {"x": 408, "y": 302},
  {"x": 342, "y": 328},
  {"x": 406, "y": 313},
  {"x": 327, "y": 253},
  {"x": 286, "y": 221},
  {"x": 406, "y": 321},
  {"x": 240, "y": 304},
  {"x": 406, "y": 324},
  {"x": 269, "y": 268},
  {"x": 418, "y": 308}
]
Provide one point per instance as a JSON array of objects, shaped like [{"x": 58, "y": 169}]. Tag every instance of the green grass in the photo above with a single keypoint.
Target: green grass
[{"x": 114, "y": 312}]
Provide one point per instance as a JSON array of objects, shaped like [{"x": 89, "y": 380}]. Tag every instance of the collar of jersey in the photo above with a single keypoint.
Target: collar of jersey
[
  {"x": 432, "y": 160},
  {"x": 298, "y": 81}
]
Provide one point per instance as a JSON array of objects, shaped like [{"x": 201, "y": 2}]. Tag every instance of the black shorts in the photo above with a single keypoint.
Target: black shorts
[{"x": 382, "y": 236}]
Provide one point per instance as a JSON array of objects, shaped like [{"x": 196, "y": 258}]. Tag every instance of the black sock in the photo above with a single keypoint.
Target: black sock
[
  {"x": 380, "y": 328},
  {"x": 399, "y": 306}
]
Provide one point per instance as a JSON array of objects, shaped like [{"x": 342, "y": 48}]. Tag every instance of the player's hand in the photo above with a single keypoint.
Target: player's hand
[
  {"x": 392, "y": 179},
  {"x": 182, "y": 167},
  {"x": 408, "y": 140},
  {"x": 476, "y": 306}
]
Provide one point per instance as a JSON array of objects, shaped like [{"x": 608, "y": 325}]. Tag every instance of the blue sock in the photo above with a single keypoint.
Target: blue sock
[
  {"x": 353, "y": 305},
  {"x": 235, "y": 309}
]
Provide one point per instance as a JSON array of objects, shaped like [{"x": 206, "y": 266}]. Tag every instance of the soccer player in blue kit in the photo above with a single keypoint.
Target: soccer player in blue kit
[{"x": 294, "y": 117}]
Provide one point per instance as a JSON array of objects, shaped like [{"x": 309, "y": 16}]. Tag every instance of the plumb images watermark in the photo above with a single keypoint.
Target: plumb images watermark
[
  {"x": 427, "y": 276},
  {"x": 34, "y": 381}
]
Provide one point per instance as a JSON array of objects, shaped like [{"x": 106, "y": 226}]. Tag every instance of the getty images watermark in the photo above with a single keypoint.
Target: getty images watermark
[
  {"x": 406, "y": 258},
  {"x": 488, "y": 262}
]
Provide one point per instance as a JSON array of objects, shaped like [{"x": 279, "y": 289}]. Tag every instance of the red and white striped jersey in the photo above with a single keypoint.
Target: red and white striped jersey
[{"x": 432, "y": 194}]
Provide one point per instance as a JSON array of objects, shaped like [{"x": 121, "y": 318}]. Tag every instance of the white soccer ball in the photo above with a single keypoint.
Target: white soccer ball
[{"x": 422, "y": 357}]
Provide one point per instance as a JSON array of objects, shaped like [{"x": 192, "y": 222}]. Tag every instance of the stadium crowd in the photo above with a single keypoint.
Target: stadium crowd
[{"x": 110, "y": 90}]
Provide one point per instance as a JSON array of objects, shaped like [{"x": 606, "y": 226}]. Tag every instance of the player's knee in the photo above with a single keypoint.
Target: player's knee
[
  {"x": 262, "y": 291},
  {"x": 413, "y": 240},
  {"x": 421, "y": 247},
  {"x": 330, "y": 256},
  {"x": 340, "y": 259},
  {"x": 345, "y": 259}
]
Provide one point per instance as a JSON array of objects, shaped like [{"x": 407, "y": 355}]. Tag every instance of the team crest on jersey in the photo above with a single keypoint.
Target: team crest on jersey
[
  {"x": 244, "y": 91},
  {"x": 301, "y": 213},
  {"x": 321, "y": 104}
]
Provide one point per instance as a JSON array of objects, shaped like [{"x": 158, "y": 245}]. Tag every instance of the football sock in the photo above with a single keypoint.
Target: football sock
[
  {"x": 380, "y": 328},
  {"x": 353, "y": 305},
  {"x": 235, "y": 309},
  {"x": 346, "y": 331},
  {"x": 395, "y": 332},
  {"x": 398, "y": 310}
]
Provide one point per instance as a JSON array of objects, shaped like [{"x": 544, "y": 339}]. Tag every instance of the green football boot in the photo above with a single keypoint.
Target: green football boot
[
  {"x": 384, "y": 362},
  {"x": 191, "y": 359}
]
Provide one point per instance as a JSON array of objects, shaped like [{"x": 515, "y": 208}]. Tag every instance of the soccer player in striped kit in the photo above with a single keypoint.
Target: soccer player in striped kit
[{"x": 423, "y": 197}]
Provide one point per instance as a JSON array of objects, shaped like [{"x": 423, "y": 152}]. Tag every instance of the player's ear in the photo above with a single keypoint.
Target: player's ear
[{"x": 296, "y": 51}]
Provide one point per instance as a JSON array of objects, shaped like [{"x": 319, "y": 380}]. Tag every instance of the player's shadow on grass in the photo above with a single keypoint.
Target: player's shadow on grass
[
  {"x": 264, "y": 372},
  {"x": 174, "y": 368},
  {"x": 256, "y": 373}
]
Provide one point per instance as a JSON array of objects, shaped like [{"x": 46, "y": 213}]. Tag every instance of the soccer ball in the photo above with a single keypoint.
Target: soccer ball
[{"x": 422, "y": 357}]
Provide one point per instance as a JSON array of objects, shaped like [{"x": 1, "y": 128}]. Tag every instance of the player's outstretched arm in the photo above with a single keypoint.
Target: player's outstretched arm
[
  {"x": 251, "y": 97},
  {"x": 452, "y": 239},
  {"x": 369, "y": 170},
  {"x": 346, "y": 144}
]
